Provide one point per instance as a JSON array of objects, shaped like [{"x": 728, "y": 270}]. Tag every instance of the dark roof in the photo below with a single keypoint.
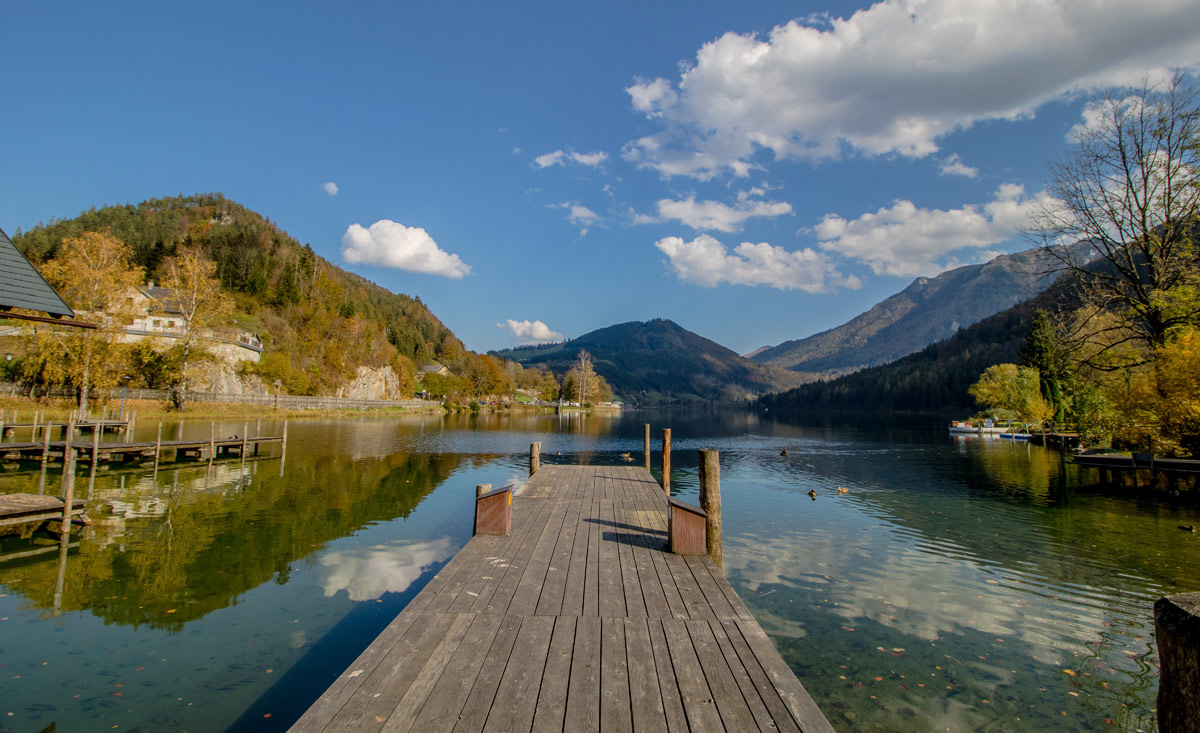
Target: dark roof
[
  {"x": 22, "y": 286},
  {"x": 166, "y": 299}
]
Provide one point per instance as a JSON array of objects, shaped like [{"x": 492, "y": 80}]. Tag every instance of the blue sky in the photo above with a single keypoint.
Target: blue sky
[{"x": 755, "y": 173}]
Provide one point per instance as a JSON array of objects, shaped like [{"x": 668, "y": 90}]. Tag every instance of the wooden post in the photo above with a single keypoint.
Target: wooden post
[
  {"x": 212, "y": 438},
  {"x": 283, "y": 448},
  {"x": 95, "y": 442},
  {"x": 1, "y": 427},
  {"x": 710, "y": 502},
  {"x": 68, "y": 488},
  {"x": 179, "y": 430},
  {"x": 157, "y": 447},
  {"x": 257, "y": 428},
  {"x": 646, "y": 445},
  {"x": 1177, "y": 631},
  {"x": 45, "y": 445},
  {"x": 535, "y": 457},
  {"x": 481, "y": 489},
  {"x": 665, "y": 480},
  {"x": 130, "y": 425}
]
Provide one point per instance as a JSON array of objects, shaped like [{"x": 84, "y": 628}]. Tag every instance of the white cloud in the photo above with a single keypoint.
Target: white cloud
[
  {"x": 390, "y": 244},
  {"x": 579, "y": 215},
  {"x": 530, "y": 332},
  {"x": 705, "y": 261},
  {"x": 952, "y": 165},
  {"x": 561, "y": 157},
  {"x": 714, "y": 215},
  {"x": 897, "y": 76},
  {"x": 904, "y": 240},
  {"x": 369, "y": 572},
  {"x": 331, "y": 188}
]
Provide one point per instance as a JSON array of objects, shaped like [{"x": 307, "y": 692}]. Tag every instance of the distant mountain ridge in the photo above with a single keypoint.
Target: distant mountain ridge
[
  {"x": 927, "y": 311},
  {"x": 663, "y": 360}
]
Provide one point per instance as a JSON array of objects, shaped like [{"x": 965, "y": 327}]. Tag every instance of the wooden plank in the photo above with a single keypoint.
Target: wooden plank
[
  {"x": 805, "y": 712},
  {"x": 550, "y": 602},
  {"x": 516, "y": 698},
  {"x": 694, "y": 602},
  {"x": 615, "y": 705},
  {"x": 704, "y": 570},
  {"x": 552, "y": 695},
  {"x": 529, "y": 589},
  {"x": 319, "y": 715},
  {"x": 611, "y": 592},
  {"x": 521, "y": 561},
  {"x": 441, "y": 710},
  {"x": 764, "y": 702},
  {"x": 432, "y": 670},
  {"x": 371, "y": 704},
  {"x": 583, "y": 691},
  {"x": 645, "y": 697},
  {"x": 591, "y": 578},
  {"x": 693, "y": 687},
  {"x": 573, "y": 591},
  {"x": 481, "y": 585},
  {"x": 726, "y": 693},
  {"x": 483, "y": 692},
  {"x": 668, "y": 684}
]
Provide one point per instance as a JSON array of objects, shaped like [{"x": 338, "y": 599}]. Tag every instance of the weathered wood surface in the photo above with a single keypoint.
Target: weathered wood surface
[
  {"x": 578, "y": 619},
  {"x": 110, "y": 450},
  {"x": 22, "y": 513}
]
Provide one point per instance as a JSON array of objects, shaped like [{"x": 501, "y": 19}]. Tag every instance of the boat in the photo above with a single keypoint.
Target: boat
[
  {"x": 1015, "y": 436},
  {"x": 989, "y": 427}
]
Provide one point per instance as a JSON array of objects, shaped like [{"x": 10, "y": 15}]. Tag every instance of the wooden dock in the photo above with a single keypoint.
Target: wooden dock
[
  {"x": 106, "y": 451},
  {"x": 577, "y": 619},
  {"x": 21, "y": 514}
]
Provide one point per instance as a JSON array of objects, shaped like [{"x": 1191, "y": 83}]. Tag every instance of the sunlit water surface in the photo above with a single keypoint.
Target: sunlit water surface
[{"x": 959, "y": 584}]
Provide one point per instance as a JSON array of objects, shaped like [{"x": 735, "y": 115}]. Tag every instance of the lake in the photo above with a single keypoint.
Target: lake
[{"x": 960, "y": 583}]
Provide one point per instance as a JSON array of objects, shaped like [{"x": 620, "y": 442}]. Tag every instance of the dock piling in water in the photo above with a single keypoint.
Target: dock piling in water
[
  {"x": 665, "y": 480},
  {"x": 710, "y": 501},
  {"x": 1177, "y": 631},
  {"x": 535, "y": 457},
  {"x": 646, "y": 445}
]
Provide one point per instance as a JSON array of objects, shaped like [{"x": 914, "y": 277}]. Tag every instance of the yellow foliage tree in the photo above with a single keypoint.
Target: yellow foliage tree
[
  {"x": 95, "y": 274},
  {"x": 1015, "y": 390},
  {"x": 201, "y": 301}
]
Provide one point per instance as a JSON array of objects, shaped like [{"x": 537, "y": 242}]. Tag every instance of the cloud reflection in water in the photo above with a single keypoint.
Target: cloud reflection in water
[{"x": 366, "y": 573}]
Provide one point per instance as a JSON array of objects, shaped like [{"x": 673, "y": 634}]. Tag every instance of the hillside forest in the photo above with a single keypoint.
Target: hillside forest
[
  {"x": 1112, "y": 349},
  {"x": 318, "y": 323}
]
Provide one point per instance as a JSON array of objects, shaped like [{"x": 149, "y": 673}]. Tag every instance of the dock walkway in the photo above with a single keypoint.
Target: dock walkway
[{"x": 578, "y": 619}]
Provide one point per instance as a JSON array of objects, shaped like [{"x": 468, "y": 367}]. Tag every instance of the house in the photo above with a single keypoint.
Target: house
[
  {"x": 434, "y": 368},
  {"x": 22, "y": 286},
  {"x": 157, "y": 313}
]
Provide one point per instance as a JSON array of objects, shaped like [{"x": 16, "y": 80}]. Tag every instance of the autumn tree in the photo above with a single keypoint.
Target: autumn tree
[
  {"x": 1016, "y": 391},
  {"x": 198, "y": 295},
  {"x": 96, "y": 276},
  {"x": 1128, "y": 192},
  {"x": 584, "y": 378},
  {"x": 1044, "y": 351}
]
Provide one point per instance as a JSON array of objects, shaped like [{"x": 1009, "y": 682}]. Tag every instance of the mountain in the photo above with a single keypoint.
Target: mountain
[
  {"x": 936, "y": 377},
  {"x": 318, "y": 322},
  {"x": 927, "y": 311},
  {"x": 663, "y": 360},
  {"x": 756, "y": 352}
]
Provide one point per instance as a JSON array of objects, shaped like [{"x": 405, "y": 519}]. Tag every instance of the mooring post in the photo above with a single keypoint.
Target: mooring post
[
  {"x": 710, "y": 502},
  {"x": 283, "y": 448},
  {"x": 157, "y": 448},
  {"x": 666, "y": 460},
  {"x": 95, "y": 442},
  {"x": 45, "y": 445},
  {"x": 535, "y": 457},
  {"x": 68, "y": 487},
  {"x": 481, "y": 489},
  {"x": 212, "y": 438},
  {"x": 257, "y": 428},
  {"x": 1177, "y": 631},
  {"x": 130, "y": 426},
  {"x": 646, "y": 445}
]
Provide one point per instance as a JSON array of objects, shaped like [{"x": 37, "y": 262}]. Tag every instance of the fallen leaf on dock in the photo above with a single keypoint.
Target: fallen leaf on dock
[{"x": 355, "y": 673}]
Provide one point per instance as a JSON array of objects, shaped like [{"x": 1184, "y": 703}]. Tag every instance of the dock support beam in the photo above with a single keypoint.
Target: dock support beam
[
  {"x": 535, "y": 457},
  {"x": 665, "y": 479},
  {"x": 1177, "y": 631},
  {"x": 710, "y": 502}
]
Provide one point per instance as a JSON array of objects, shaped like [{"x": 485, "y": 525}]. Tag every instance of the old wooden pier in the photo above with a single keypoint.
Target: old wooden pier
[{"x": 579, "y": 618}]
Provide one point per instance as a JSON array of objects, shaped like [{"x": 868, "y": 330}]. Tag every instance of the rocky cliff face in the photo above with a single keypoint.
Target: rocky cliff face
[
  {"x": 222, "y": 377},
  {"x": 373, "y": 384}
]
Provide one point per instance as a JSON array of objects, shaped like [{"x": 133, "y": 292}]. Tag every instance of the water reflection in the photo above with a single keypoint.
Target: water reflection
[{"x": 367, "y": 573}]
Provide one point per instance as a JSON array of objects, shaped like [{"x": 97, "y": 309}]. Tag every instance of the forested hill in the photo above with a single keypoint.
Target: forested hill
[
  {"x": 927, "y": 311},
  {"x": 318, "y": 322},
  {"x": 935, "y": 378},
  {"x": 663, "y": 360}
]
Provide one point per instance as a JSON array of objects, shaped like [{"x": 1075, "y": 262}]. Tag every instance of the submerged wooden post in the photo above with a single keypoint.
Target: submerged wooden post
[
  {"x": 212, "y": 439},
  {"x": 710, "y": 502},
  {"x": 157, "y": 447},
  {"x": 283, "y": 448},
  {"x": 535, "y": 457},
  {"x": 45, "y": 445},
  {"x": 179, "y": 430},
  {"x": 95, "y": 441},
  {"x": 1177, "y": 631},
  {"x": 646, "y": 445},
  {"x": 665, "y": 481},
  {"x": 481, "y": 489},
  {"x": 130, "y": 426},
  {"x": 68, "y": 485},
  {"x": 245, "y": 429}
]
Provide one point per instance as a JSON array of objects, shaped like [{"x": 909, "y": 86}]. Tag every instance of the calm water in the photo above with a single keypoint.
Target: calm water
[{"x": 961, "y": 584}]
